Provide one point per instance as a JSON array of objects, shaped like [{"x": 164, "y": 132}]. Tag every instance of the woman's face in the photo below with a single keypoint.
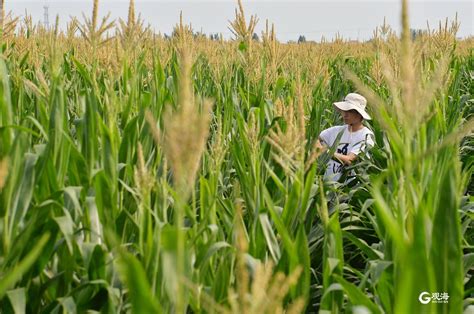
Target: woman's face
[{"x": 351, "y": 117}]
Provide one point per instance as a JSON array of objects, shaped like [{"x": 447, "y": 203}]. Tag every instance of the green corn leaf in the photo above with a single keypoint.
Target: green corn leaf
[
  {"x": 356, "y": 296},
  {"x": 446, "y": 249},
  {"x": 134, "y": 276},
  {"x": 14, "y": 275},
  {"x": 17, "y": 299}
]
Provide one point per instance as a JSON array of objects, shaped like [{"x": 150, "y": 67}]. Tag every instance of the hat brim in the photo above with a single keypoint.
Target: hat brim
[{"x": 346, "y": 106}]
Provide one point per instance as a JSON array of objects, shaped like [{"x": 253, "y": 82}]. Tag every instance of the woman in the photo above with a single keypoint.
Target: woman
[{"x": 350, "y": 139}]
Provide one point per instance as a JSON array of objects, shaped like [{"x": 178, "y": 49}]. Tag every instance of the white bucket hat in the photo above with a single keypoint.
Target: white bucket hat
[{"x": 354, "y": 101}]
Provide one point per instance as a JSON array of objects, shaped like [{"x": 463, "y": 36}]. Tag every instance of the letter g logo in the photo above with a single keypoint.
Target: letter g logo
[{"x": 424, "y": 297}]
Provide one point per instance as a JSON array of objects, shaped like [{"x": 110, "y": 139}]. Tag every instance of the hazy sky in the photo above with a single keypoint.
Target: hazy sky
[{"x": 313, "y": 19}]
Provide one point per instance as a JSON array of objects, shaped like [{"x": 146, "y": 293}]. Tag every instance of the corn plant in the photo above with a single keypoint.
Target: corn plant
[{"x": 158, "y": 174}]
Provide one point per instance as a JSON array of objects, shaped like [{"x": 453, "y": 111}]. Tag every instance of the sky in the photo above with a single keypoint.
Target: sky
[{"x": 353, "y": 19}]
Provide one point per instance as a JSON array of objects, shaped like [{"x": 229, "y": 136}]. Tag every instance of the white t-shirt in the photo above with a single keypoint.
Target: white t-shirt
[{"x": 349, "y": 142}]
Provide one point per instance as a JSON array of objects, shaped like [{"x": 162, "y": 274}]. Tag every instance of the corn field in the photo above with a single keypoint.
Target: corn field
[{"x": 147, "y": 173}]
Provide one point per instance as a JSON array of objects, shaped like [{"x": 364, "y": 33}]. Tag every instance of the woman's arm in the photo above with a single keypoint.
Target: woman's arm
[
  {"x": 345, "y": 159},
  {"x": 321, "y": 145}
]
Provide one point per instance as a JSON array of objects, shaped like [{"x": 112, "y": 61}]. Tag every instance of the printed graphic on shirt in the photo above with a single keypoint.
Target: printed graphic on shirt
[{"x": 337, "y": 166}]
